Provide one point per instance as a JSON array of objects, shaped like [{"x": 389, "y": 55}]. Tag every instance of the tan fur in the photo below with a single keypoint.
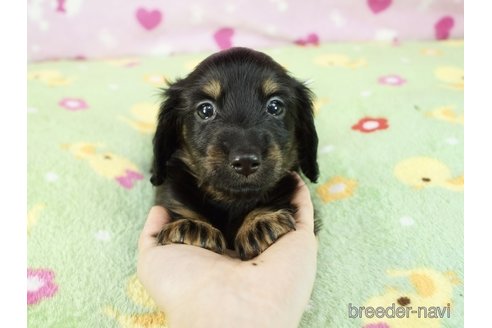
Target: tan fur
[
  {"x": 213, "y": 89},
  {"x": 264, "y": 227},
  {"x": 270, "y": 87},
  {"x": 192, "y": 232}
]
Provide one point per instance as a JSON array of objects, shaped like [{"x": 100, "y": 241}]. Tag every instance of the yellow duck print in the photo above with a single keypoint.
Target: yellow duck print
[
  {"x": 421, "y": 172},
  {"x": 339, "y": 60},
  {"x": 153, "y": 318},
  {"x": 452, "y": 77},
  {"x": 106, "y": 164},
  {"x": 144, "y": 117},
  {"x": 431, "y": 288},
  {"x": 447, "y": 113},
  {"x": 52, "y": 78}
]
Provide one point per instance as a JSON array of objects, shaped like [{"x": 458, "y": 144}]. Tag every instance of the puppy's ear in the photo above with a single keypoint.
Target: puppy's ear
[
  {"x": 307, "y": 138},
  {"x": 166, "y": 136}
]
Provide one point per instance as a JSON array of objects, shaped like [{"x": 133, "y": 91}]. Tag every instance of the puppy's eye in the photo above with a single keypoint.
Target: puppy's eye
[
  {"x": 206, "y": 110},
  {"x": 275, "y": 107}
]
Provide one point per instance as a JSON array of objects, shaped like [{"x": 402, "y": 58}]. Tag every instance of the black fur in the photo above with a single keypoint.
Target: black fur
[{"x": 191, "y": 166}]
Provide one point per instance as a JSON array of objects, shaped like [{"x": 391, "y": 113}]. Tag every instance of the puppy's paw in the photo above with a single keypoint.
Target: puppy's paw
[
  {"x": 192, "y": 232},
  {"x": 260, "y": 229}
]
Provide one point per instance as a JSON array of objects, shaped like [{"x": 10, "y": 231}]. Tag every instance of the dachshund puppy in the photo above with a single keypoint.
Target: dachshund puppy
[{"x": 227, "y": 139}]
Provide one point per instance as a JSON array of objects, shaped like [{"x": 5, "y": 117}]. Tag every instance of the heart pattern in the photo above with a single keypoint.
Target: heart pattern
[
  {"x": 149, "y": 19},
  {"x": 223, "y": 37},
  {"x": 443, "y": 27},
  {"x": 378, "y": 6},
  {"x": 186, "y": 28}
]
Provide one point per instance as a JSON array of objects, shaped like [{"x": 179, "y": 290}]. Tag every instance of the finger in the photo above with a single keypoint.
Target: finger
[
  {"x": 156, "y": 219},
  {"x": 302, "y": 200}
]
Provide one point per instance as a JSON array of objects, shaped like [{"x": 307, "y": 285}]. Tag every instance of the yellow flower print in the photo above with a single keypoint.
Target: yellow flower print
[{"x": 336, "y": 188}]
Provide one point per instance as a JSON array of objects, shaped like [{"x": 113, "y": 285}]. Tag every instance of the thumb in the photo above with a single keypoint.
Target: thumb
[
  {"x": 302, "y": 200},
  {"x": 156, "y": 220}
]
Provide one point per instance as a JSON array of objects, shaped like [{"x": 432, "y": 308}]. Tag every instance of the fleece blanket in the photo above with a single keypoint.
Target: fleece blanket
[
  {"x": 161, "y": 27},
  {"x": 390, "y": 123}
]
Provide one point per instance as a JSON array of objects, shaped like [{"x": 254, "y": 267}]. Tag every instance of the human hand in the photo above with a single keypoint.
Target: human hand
[{"x": 197, "y": 288}]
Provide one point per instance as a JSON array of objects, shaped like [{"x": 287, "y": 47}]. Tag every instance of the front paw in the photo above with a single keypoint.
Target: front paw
[
  {"x": 260, "y": 229},
  {"x": 192, "y": 232}
]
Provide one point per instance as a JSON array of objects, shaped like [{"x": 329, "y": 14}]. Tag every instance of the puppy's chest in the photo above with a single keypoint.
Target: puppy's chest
[{"x": 228, "y": 220}]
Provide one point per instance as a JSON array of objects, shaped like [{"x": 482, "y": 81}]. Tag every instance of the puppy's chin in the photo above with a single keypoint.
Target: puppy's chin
[{"x": 230, "y": 187}]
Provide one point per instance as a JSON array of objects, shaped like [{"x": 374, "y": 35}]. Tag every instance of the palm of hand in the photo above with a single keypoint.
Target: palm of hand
[{"x": 190, "y": 283}]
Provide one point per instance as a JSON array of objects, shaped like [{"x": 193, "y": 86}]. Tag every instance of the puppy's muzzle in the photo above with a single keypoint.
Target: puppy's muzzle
[{"x": 245, "y": 163}]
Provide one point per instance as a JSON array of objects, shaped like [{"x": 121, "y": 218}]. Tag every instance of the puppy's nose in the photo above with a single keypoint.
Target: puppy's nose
[{"x": 245, "y": 164}]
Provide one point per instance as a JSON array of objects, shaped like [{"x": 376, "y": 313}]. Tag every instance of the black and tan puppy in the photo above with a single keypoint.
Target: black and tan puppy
[{"x": 228, "y": 136}]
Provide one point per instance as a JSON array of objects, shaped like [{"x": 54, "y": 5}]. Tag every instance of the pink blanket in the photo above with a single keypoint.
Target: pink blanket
[{"x": 109, "y": 28}]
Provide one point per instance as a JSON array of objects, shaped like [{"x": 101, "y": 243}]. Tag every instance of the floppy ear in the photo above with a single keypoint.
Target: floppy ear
[
  {"x": 166, "y": 136},
  {"x": 307, "y": 138}
]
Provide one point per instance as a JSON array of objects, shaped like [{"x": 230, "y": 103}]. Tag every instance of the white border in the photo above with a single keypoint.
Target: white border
[
  {"x": 478, "y": 162},
  {"x": 13, "y": 175}
]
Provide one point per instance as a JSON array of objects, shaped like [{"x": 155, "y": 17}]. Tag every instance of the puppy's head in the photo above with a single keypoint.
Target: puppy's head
[{"x": 239, "y": 122}]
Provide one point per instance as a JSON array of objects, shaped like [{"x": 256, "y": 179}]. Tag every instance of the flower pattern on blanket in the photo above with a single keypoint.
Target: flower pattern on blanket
[
  {"x": 336, "y": 188},
  {"x": 369, "y": 124},
  {"x": 40, "y": 285},
  {"x": 86, "y": 202},
  {"x": 430, "y": 288},
  {"x": 107, "y": 164}
]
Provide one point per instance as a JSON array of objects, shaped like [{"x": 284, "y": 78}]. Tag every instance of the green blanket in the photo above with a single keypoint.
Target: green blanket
[{"x": 390, "y": 122}]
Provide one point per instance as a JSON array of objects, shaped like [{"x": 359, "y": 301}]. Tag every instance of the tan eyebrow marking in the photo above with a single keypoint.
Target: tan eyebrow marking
[
  {"x": 270, "y": 86},
  {"x": 212, "y": 88}
]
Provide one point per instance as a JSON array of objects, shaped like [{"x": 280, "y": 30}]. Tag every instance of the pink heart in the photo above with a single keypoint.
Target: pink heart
[
  {"x": 443, "y": 27},
  {"x": 312, "y": 38},
  {"x": 378, "y": 6},
  {"x": 149, "y": 19},
  {"x": 223, "y": 37}
]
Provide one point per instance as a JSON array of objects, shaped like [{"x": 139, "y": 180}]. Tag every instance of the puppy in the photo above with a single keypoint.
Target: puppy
[{"x": 228, "y": 137}]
